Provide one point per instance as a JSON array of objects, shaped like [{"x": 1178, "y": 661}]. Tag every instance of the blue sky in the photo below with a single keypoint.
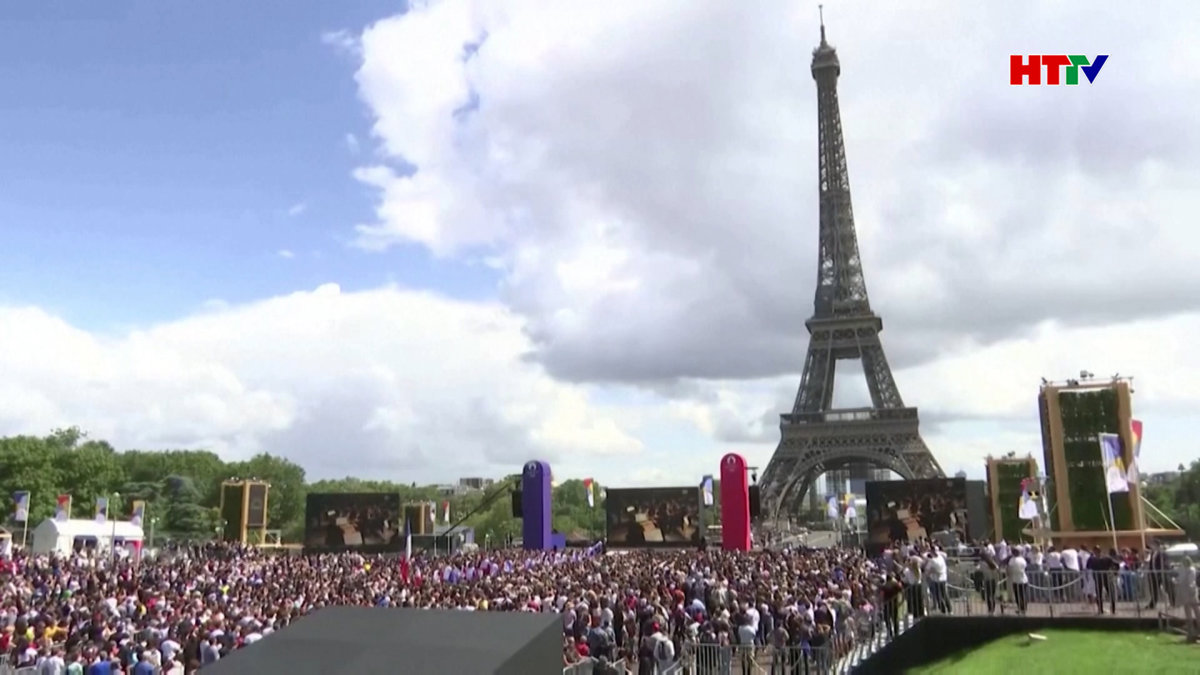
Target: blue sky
[{"x": 153, "y": 151}]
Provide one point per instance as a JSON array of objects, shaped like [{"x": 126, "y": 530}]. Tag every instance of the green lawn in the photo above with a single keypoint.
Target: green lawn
[{"x": 1065, "y": 652}]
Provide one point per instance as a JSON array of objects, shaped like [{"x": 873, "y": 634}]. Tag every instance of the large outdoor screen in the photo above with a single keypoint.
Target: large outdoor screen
[
  {"x": 908, "y": 510},
  {"x": 338, "y": 521},
  {"x": 644, "y": 517}
]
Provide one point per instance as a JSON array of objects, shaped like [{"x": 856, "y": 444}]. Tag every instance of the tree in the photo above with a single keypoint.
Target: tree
[
  {"x": 89, "y": 470},
  {"x": 183, "y": 514},
  {"x": 30, "y": 464},
  {"x": 1179, "y": 498},
  {"x": 181, "y": 488},
  {"x": 204, "y": 468},
  {"x": 572, "y": 515}
]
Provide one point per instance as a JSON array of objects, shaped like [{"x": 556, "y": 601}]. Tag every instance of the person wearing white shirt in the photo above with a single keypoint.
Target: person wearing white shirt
[
  {"x": 1088, "y": 585},
  {"x": 1018, "y": 581},
  {"x": 1071, "y": 567},
  {"x": 1054, "y": 568},
  {"x": 914, "y": 589},
  {"x": 938, "y": 575},
  {"x": 753, "y": 617},
  {"x": 54, "y": 664},
  {"x": 1186, "y": 595}
]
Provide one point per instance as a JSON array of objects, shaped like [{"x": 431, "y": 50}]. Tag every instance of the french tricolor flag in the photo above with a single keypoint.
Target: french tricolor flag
[
  {"x": 406, "y": 561},
  {"x": 589, "y": 489}
]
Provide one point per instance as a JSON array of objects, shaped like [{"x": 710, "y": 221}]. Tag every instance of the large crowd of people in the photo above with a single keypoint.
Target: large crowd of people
[
  {"x": 626, "y": 612},
  {"x": 94, "y": 615}
]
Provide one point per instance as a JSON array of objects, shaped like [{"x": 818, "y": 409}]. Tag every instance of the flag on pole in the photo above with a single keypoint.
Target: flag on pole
[
  {"x": 101, "y": 509},
  {"x": 138, "y": 514},
  {"x": 832, "y": 511},
  {"x": 1131, "y": 475},
  {"x": 446, "y": 512},
  {"x": 706, "y": 489},
  {"x": 406, "y": 561},
  {"x": 1027, "y": 507},
  {"x": 21, "y": 512},
  {"x": 62, "y": 508},
  {"x": 407, "y": 539},
  {"x": 1114, "y": 463},
  {"x": 589, "y": 490},
  {"x": 851, "y": 514}
]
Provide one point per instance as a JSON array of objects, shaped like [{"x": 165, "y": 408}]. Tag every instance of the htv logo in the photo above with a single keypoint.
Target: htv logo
[{"x": 1028, "y": 69}]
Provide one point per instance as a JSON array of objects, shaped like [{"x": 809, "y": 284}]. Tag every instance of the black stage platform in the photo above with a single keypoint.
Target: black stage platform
[{"x": 364, "y": 641}]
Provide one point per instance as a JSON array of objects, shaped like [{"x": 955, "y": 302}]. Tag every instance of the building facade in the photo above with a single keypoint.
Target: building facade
[
  {"x": 1004, "y": 478},
  {"x": 1073, "y": 415}
]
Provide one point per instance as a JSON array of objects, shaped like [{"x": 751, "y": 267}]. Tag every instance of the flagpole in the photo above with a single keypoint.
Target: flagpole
[
  {"x": 1141, "y": 517},
  {"x": 1112, "y": 520}
]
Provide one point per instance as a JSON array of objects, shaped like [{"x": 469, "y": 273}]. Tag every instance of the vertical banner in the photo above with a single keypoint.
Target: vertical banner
[
  {"x": 21, "y": 503},
  {"x": 1114, "y": 464},
  {"x": 62, "y": 508},
  {"x": 138, "y": 514},
  {"x": 446, "y": 512},
  {"x": 706, "y": 490},
  {"x": 589, "y": 491},
  {"x": 536, "y": 522},
  {"x": 735, "y": 503},
  {"x": 832, "y": 510},
  {"x": 101, "y": 509}
]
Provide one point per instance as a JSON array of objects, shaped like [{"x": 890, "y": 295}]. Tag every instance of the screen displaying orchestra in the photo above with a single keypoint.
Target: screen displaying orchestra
[
  {"x": 645, "y": 517},
  {"x": 358, "y": 520},
  {"x": 908, "y": 510}
]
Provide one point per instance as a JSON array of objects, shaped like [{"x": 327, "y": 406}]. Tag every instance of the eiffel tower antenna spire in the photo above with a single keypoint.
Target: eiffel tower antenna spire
[
  {"x": 815, "y": 437},
  {"x": 821, "y": 13}
]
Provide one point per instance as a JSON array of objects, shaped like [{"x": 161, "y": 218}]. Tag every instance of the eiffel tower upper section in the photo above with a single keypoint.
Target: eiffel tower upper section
[
  {"x": 814, "y": 436},
  {"x": 841, "y": 289}
]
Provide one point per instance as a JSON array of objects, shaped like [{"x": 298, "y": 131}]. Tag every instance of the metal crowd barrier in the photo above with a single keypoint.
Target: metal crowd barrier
[
  {"x": 1130, "y": 593},
  {"x": 706, "y": 659}
]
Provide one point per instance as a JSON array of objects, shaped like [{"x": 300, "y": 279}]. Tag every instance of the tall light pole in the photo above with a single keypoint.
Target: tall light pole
[{"x": 113, "y": 501}]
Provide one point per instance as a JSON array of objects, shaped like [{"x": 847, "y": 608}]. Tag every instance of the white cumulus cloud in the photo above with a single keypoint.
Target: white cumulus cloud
[
  {"x": 644, "y": 174},
  {"x": 386, "y": 382}
]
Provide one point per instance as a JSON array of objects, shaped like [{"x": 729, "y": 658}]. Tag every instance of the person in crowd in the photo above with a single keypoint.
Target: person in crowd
[
  {"x": 1158, "y": 567},
  {"x": 1186, "y": 594},
  {"x": 1104, "y": 569},
  {"x": 937, "y": 572},
  {"x": 1018, "y": 580},
  {"x": 914, "y": 588},
  {"x": 989, "y": 581}
]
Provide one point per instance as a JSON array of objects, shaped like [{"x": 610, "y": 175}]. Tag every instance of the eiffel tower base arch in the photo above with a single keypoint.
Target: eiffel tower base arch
[{"x": 811, "y": 450}]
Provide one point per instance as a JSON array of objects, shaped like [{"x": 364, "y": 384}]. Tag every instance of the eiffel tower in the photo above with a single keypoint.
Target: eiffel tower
[{"x": 815, "y": 437}]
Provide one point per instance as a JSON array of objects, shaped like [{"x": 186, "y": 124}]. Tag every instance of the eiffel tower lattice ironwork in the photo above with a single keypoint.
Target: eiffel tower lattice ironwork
[{"x": 815, "y": 437}]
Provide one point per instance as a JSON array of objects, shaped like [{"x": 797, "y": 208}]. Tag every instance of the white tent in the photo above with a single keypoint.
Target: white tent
[{"x": 67, "y": 536}]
